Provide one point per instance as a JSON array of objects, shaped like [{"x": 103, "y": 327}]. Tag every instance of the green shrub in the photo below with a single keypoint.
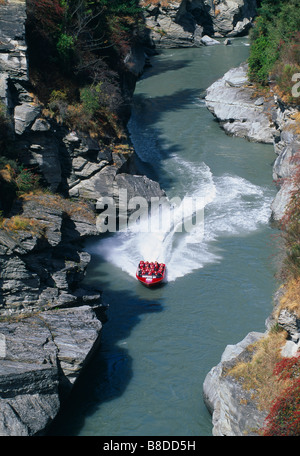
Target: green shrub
[
  {"x": 58, "y": 105},
  {"x": 261, "y": 59},
  {"x": 90, "y": 97},
  {"x": 274, "y": 33},
  {"x": 65, "y": 47},
  {"x": 26, "y": 181}
]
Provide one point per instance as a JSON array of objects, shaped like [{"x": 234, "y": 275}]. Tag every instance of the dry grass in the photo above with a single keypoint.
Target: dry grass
[
  {"x": 124, "y": 149},
  {"x": 7, "y": 173},
  {"x": 72, "y": 208},
  {"x": 291, "y": 298},
  {"x": 295, "y": 127},
  {"x": 19, "y": 223},
  {"x": 258, "y": 374},
  {"x": 163, "y": 3}
]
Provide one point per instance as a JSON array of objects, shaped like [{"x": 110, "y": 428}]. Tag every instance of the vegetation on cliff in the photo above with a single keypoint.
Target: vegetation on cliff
[
  {"x": 283, "y": 418},
  {"x": 76, "y": 54},
  {"x": 274, "y": 382},
  {"x": 275, "y": 46}
]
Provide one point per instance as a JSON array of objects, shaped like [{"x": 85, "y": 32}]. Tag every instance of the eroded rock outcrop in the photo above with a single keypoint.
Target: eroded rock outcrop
[
  {"x": 232, "y": 101},
  {"x": 40, "y": 360},
  {"x": 50, "y": 324},
  {"x": 183, "y": 23},
  {"x": 41, "y": 264}
]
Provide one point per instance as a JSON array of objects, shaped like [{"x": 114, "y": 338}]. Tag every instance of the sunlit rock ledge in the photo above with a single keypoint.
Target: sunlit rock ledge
[
  {"x": 183, "y": 23},
  {"x": 232, "y": 101}
]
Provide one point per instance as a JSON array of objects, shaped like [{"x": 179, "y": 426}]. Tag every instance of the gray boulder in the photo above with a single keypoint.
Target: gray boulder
[
  {"x": 281, "y": 201},
  {"x": 24, "y": 116},
  {"x": 208, "y": 41}
]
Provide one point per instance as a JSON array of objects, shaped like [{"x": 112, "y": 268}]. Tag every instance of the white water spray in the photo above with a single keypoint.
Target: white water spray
[{"x": 230, "y": 205}]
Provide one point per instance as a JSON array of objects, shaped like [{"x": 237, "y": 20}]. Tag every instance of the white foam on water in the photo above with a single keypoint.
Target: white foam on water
[
  {"x": 230, "y": 205},
  {"x": 240, "y": 207}
]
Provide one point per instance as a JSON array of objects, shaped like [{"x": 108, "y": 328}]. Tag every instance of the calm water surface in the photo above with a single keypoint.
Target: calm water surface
[{"x": 158, "y": 345}]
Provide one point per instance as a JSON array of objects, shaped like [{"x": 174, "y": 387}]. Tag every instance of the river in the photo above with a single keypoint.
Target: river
[{"x": 159, "y": 344}]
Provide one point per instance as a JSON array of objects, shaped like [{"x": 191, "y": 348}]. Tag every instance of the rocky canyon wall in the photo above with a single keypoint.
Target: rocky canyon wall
[{"x": 185, "y": 23}]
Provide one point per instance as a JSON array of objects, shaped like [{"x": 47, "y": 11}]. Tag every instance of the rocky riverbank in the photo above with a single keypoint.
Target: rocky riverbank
[{"x": 242, "y": 112}]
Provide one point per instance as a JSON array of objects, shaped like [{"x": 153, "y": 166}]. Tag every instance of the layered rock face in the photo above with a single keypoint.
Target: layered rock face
[
  {"x": 40, "y": 360},
  {"x": 234, "y": 411},
  {"x": 32, "y": 260},
  {"x": 49, "y": 323},
  {"x": 13, "y": 48},
  {"x": 184, "y": 23},
  {"x": 41, "y": 266},
  {"x": 69, "y": 162}
]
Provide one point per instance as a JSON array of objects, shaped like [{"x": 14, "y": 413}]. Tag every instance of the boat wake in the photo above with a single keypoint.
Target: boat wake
[{"x": 228, "y": 206}]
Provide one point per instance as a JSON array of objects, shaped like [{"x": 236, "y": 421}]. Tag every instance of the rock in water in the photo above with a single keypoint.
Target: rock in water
[{"x": 208, "y": 41}]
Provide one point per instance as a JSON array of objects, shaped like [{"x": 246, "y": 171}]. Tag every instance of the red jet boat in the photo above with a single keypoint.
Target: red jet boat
[{"x": 150, "y": 273}]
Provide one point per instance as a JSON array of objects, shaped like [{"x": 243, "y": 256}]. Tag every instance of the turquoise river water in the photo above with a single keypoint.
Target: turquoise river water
[{"x": 159, "y": 344}]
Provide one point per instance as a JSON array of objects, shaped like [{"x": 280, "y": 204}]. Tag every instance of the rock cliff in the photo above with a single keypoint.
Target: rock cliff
[
  {"x": 40, "y": 359},
  {"x": 184, "y": 23},
  {"x": 49, "y": 323},
  {"x": 234, "y": 103}
]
